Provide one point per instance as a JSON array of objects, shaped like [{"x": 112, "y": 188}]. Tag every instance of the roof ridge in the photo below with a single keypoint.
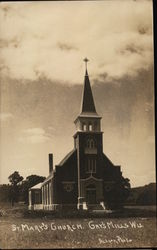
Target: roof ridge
[{"x": 66, "y": 157}]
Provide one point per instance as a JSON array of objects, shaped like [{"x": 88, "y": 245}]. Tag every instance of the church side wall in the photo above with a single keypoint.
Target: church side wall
[{"x": 66, "y": 181}]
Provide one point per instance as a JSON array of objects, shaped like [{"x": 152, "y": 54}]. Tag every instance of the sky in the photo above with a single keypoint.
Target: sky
[{"x": 42, "y": 47}]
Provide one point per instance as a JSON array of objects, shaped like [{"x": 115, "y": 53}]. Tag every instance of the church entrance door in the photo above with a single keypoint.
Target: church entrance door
[{"x": 91, "y": 194}]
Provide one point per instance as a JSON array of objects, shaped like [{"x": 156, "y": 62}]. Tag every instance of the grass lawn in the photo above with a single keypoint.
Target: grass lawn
[{"x": 18, "y": 232}]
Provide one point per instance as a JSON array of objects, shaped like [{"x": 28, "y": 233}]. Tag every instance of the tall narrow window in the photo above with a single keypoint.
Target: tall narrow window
[
  {"x": 94, "y": 165},
  {"x": 90, "y": 127},
  {"x": 90, "y": 143},
  {"x": 90, "y": 165},
  {"x": 84, "y": 127}
]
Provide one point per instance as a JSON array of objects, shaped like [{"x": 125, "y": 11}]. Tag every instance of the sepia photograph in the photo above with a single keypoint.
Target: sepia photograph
[{"x": 77, "y": 125}]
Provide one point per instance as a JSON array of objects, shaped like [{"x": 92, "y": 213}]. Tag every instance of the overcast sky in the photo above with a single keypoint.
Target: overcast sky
[{"x": 42, "y": 46}]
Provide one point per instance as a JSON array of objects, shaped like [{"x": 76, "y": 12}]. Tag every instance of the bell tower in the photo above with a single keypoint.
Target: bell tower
[{"x": 88, "y": 142}]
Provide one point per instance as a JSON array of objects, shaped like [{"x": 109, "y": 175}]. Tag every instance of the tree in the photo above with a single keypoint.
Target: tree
[
  {"x": 34, "y": 180},
  {"x": 118, "y": 194},
  {"x": 14, "y": 179},
  {"x": 30, "y": 181},
  {"x": 5, "y": 192},
  {"x": 147, "y": 196}
]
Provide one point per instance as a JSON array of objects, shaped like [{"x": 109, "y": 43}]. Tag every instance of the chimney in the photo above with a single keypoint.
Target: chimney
[{"x": 50, "y": 163}]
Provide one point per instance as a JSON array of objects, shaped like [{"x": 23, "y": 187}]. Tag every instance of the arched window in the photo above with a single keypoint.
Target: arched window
[
  {"x": 90, "y": 127},
  {"x": 91, "y": 143},
  {"x": 90, "y": 165},
  {"x": 88, "y": 144},
  {"x": 84, "y": 127}
]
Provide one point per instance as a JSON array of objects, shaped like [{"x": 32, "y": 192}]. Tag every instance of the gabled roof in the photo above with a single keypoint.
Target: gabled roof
[
  {"x": 87, "y": 105},
  {"x": 37, "y": 186},
  {"x": 50, "y": 176},
  {"x": 107, "y": 159},
  {"x": 110, "y": 162},
  {"x": 67, "y": 157}
]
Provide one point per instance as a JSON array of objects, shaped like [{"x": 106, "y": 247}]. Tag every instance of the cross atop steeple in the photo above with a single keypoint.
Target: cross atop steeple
[{"x": 86, "y": 61}]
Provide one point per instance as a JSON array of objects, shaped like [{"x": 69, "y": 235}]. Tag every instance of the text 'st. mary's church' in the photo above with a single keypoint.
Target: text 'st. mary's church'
[{"x": 85, "y": 177}]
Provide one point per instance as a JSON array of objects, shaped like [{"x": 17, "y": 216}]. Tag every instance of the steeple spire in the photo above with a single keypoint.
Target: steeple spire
[
  {"x": 88, "y": 120},
  {"x": 86, "y": 61},
  {"x": 87, "y": 105}
]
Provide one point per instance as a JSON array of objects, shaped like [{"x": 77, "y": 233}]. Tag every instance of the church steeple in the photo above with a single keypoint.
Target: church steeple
[
  {"x": 87, "y": 100},
  {"x": 88, "y": 119},
  {"x": 87, "y": 105}
]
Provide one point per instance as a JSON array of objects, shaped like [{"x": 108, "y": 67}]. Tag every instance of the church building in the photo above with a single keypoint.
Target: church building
[{"x": 86, "y": 176}]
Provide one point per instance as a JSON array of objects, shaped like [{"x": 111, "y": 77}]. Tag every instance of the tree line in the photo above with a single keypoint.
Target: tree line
[
  {"x": 17, "y": 189},
  {"x": 144, "y": 195}
]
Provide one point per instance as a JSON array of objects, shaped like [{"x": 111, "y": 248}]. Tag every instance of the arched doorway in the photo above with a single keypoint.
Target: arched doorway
[{"x": 91, "y": 194}]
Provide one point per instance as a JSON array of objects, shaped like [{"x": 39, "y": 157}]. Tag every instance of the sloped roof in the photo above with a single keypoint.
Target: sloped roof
[
  {"x": 67, "y": 157},
  {"x": 37, "y": 186},
  {"x": 110, "y": 162},
  {"x": 106, "y": 158},
  {"x": 48, "y": 177},
  {"x": 87, "y": 99}
]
